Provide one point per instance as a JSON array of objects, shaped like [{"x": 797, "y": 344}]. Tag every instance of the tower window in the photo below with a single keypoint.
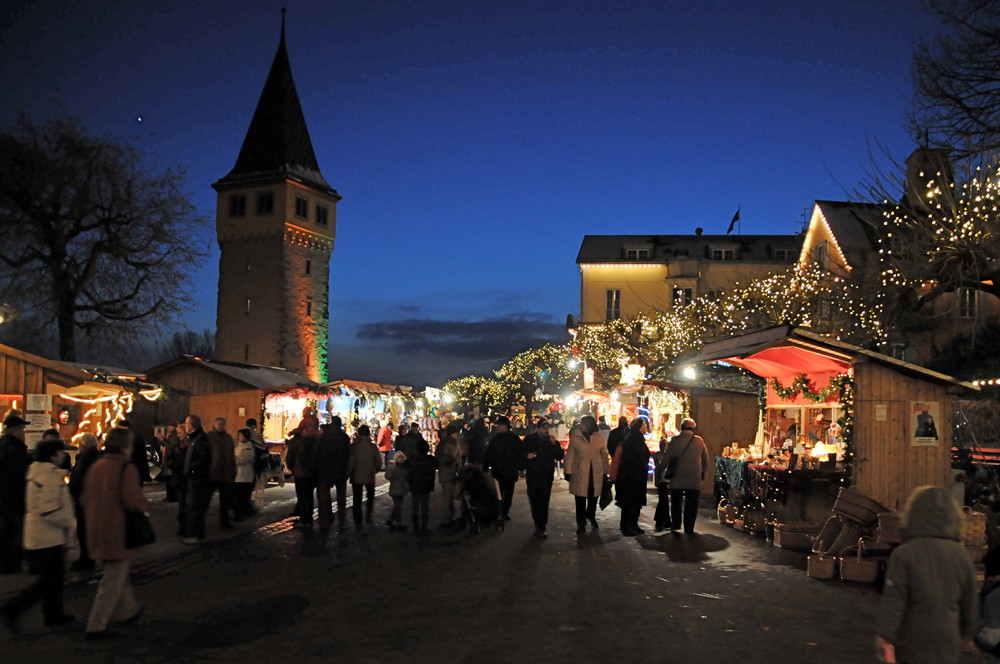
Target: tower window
[
  {"x": 302, "y": 207},
  {"x": 246, "y": 352},
  {"x": 237, "y": 205},
  {"x": 322, "y": 213},
  {"x": 248, "y": 264},
  {"x": 309, "y": 265},
  {"x": 613, "y": 309},
  {"x": 248, "y": 305},
  {"x": 309, "y": 306},
  {"x": 265, "y": 202}
]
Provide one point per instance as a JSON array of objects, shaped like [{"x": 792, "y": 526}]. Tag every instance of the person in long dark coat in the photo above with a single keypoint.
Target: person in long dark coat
[
  {"x": 14, "y": 462},
  {"x": 631, "y": 481},
  {"x": 504, "y": 458},
  {"x": 542, "y": 451}
]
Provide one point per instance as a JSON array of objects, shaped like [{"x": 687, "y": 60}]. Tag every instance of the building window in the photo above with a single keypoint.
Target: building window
[
  {"x": 309, "y": 265},
  {"x": 237, "y": 205},
  {"x": 301, "y": 207},
  {"x": 818, "y": 254},
  {"x": 248, "y": 306},
  {"x": 613, "y": 310},
  {"x": 682, "y": 296},
  {"x": 783, "y": 254},
  {"x": 898, "y": 351},
  {"x": 714, "y": 295},
  {"x": 265, "y": 202},
  {"x": 322, "y": 215},
  {"x": 309, "y": 306},
  {"x": 724, "y": 254},
  {"x": 968, "y": 304},
  {"x": 637, "y": 254}
]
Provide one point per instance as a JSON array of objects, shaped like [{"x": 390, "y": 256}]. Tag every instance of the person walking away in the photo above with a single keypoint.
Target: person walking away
[
  {"x": 661, "y": 518},
  {"x": 85, "y": 458},
  {"x": 171, "y": 444},
  {"x": 301, "y": 458},
  {"x": 504, "y": 459},
  {"x": 631, "y": 482},
  {"x": 139, "y": 452},
  {"x": 929, "y": 601},
  {"x": 48, "y": 528},
  {"x": 420, "y": 471},
  {"x": 385, "y": 442},
  {"x": 586, "y": 468},
  {"x": 476, "y": 438},
  {"x": 399, "y": 486},
  {"x": 110, "y": 489},
  {"x": 333, "y": 455},
  {"x": 364, "y": 462},
  {"x": 197, "y": 471},
  {"x": 223, "y": 471},
  {"x": 243, "y": 486},
  {"x": 14, "y": 462},
  {"x": 616, "y": 436},
  {"x": 180, "y": 479},
  {"x": 447, "y": 459},
  {"x": 988, "y": 637},
  {"x": 685, "y": 486},
  {"x": 261, "y": 469},
  {"x": 542, "y": 452}
]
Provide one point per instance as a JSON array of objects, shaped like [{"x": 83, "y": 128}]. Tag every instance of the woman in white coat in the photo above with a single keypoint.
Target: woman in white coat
[
  {"x": 48, "y": 528},
  {"x": 586, "y": 465}
]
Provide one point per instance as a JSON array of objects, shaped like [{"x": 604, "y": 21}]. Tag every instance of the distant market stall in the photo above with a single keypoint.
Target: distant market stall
[{"x": 838, "y": 415}]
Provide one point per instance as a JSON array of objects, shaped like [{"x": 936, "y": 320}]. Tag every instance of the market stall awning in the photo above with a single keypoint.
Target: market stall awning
[{"x": 785, "y": 363}]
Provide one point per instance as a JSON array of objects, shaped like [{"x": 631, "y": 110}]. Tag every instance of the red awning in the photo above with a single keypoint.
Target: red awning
[{"x": 788, "y": 362}]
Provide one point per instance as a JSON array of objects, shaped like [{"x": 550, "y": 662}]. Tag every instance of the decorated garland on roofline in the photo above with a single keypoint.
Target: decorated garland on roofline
[{"x": 843, "y": 386}]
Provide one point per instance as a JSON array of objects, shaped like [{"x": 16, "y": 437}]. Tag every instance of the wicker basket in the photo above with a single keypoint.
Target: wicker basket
[
  {"x": 857, "y": 507},
  {"x": 727, "y": 512},
  {"x": 837, "y": 534},
  {"x": 795, "y": 535},
  {"x": 857, "y": 567},
  {"x": 738, "y": 524},
  {"x": 755, "y": 520},
  {"x": 974, "y": 532},
  {"x": 821, "y": 566},
  {"x": 890, "y": 527}
]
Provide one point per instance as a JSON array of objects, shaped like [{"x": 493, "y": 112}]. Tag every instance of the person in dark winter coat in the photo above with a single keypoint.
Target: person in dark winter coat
[
  {"x": 661, "y": 518},
  {"x": 616, "y": 436},
  {"x": 223, "y": 472},
  {"x": 542, "y": 451},
  {"x": 140, "y": 456},
  {"x": 14, "y": 461},
  {"x": 505, "y": 458},
  {"x": 399, "y": 486},
  {"x": 85, "y": 458},
  {"x": 364, "y": 463},
  {"x": 301, "y": 458},
  {"x": 421, "y": 470},
  {"x": 197, "y": 471},
  {"x": 929, "y": 602},
  {"x": 333, "y": 456},
  {"x": 631, "y": 481},
  {"x": 988, "y": 637}
]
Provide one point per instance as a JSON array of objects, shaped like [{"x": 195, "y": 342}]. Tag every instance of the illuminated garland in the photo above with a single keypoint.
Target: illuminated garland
[{"x": 802, "y": 385}]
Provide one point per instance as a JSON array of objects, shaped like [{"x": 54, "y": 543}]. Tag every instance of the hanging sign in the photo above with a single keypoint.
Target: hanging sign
[
  {"x": 38, "y": 422},
  {"x": 39, "y": 402}
]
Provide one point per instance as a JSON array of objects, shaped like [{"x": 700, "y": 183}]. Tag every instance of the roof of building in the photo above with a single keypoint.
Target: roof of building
[
  {"x": 277, "y": 144},
  {"x": 611, "y": 248},
  {"x": 255, "y": 376},
  {"x": 854, "y": 225}
]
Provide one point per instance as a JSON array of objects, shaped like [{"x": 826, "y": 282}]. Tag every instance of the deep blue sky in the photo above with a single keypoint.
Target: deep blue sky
[{"x": 476, "y": 142}]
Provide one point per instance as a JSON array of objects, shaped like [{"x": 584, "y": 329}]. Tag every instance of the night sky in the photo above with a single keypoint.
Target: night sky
[{"x": 476, "y": 142}]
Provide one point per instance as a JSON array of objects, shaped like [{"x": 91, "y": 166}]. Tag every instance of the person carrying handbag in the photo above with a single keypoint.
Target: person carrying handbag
[
  {"x": 685, "y": 465},
  {"x": 110, "y": 489}
]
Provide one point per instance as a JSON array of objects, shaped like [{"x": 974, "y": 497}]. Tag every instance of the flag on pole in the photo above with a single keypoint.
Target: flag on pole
[{"x": 736, "y": 217}]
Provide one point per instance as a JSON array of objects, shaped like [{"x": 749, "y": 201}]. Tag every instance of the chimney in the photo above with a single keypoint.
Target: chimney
[{"x": 923, "y": 166}]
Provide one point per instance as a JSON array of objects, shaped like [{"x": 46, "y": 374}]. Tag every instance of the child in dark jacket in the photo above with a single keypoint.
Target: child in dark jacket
[{"x": 421, "y": 469}]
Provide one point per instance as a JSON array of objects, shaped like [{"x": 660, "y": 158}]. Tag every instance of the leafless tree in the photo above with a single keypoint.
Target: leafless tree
[
  {"x": 956, "y": 77},
  {"x": 189, "y": 342},
  {"x": 95, "y": 242}
]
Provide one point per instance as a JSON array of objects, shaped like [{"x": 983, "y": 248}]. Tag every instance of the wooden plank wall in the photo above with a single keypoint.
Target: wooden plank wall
[
  {"x": 21, "y": 377},
  {"x": 887, "y": 467},
  {"x": 227, "y": 405},
  {"x": 196, "y": 379},
  {"x": 737, "y": 422}
]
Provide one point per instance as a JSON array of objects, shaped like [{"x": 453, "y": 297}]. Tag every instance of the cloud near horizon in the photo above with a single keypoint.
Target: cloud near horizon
[{"x": 500, "y": 337}]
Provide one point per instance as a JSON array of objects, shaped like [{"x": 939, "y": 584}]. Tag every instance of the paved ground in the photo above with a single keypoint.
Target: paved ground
[{"x": 270, "y": 593}]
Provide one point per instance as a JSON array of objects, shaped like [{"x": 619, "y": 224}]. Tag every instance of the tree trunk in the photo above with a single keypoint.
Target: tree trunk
[{"x": 66, "y": 319}]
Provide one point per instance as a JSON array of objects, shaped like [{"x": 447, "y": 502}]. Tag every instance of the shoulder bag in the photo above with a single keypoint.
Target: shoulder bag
[
  {"x": 138, "y": 528},
  {"x": 671, "y": 469}
]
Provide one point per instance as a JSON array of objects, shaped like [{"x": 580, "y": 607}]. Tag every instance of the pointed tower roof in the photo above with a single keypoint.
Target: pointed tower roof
[{"x": 277, "y": 145}]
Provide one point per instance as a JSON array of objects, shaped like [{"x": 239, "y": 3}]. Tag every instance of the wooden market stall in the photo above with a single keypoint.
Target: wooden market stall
[{"x": 888, "y": 422}]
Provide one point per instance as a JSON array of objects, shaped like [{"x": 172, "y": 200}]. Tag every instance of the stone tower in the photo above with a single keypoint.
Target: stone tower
[{"x": 276, "y": 221}]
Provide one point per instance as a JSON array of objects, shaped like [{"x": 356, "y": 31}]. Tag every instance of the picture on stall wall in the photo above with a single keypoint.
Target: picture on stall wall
[{"x": 924, "y": 416}]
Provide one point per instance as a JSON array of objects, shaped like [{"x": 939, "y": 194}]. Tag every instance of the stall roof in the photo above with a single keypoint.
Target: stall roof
[
  {"x": 793, "y": 341},
  {"x": 254, "y": 376},
  {"x": 367, "y": 387}
]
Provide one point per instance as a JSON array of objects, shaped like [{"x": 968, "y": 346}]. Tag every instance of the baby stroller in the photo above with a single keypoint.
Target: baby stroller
[{"x": 480, "y": 500}]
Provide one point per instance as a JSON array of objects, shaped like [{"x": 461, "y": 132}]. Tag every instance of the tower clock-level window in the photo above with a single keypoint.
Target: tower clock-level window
[
  {"x": 309, "y": 306},
  {"x": 301, "y": 207},
  {"x": 248, "y": 306},
  {"x": 265, "y": 202},
  {"x": 309, "y": 265},
  {"x": 246, "y": 352},
  {"x": 613, "y": 309},
  {"x": 322, "y": 215},
  {"x": 238, "y": 205}
]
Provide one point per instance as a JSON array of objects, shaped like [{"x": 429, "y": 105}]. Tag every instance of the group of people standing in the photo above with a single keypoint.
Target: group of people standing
[{"x": 44, "y": 516}]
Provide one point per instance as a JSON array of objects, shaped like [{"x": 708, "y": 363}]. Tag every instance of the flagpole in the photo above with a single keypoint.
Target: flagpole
[{"x": 739, "y": 222}]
